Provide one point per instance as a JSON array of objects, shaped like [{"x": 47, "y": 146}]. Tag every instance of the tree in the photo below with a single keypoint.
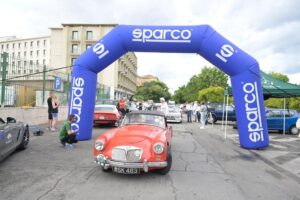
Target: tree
[
  {"x": 179, "y": 95},
  {"x": 209, "y": 76},
  {"x": 279, "y": 76},
  {"x": 211, "y": 94},
  {"x": 153, "y": 90}
]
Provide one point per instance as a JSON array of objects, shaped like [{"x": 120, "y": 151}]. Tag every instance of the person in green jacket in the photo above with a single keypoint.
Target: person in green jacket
[{"x": 66, "y": 134}]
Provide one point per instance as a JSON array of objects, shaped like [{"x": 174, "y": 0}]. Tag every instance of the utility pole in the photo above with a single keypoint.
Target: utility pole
[
  {"x": 44, "y": 83},
  {"x": 4, "y": 57}
]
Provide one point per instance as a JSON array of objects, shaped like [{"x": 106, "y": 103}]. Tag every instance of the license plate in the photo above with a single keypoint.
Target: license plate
[
  {"x": 101, "y": 117},
  {"x": 122, "y": 170}
]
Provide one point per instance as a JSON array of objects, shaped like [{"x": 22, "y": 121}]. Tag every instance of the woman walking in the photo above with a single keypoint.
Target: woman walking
[{"x": 55, "y": 105}]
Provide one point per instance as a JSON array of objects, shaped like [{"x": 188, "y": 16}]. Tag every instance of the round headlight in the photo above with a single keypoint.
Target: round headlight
[
  {"x": 99, "y": 145},
  {"x": 158, "y": 148}
]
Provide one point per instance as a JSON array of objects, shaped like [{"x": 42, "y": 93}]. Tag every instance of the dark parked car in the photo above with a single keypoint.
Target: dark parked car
[
  {"x": 13, "y": 136},
  {"x": 216, "y": 113}
]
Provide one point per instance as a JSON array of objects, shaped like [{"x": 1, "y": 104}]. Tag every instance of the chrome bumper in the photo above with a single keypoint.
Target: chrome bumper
[{"x": 106, "y": 163}]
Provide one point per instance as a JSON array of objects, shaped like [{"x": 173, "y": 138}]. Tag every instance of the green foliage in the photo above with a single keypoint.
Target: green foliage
[
  {"x": 208, "y": 77},
  {"x": 211, "y": 94},
  {"x": 279, "y": 76},
  {"x": 291, "y": 103},
  {"x": 179, "y": 95},
  {"x": 153, "y": 90}
]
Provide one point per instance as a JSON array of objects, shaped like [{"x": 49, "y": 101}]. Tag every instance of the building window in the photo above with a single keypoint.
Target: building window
[
  {"x": 2, "y": 47},
  {"x": 73, "y": 61},
  {"x": 44, "y": 61},
  {"x": 37, "y": 52},
  {"x": 30, "y": 62},
  {"x": 19, "y": 45},
  {"x": 44, "y": 42},
  {"x": 74, "y": 48},
  {"x": 89, "y": 35},
  {"x": 13, "y": 46},
  {"x": 31, "y": 44},
  {"x": 31, "y": 53},
  {"x": 44, "y": 52},
  {"x": 13, "y": 55},
  {"x": 25, "y": 64},
  {"x": 24, "y": 53},
  {"x": 88, "y": 46},
  {"x": 19, "y": 64},
  {"x": 37, "y": 62},
  {"x": 75, "y": 35},
  {"x": 25, "y": 44},
  {"x": 38, "y": 43},
  {"x": 7, "y": 46},
  {"x": 19, "y": 54}
]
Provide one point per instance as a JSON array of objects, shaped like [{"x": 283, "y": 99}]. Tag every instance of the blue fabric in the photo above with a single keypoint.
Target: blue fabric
[{"x": 241, "y": 67}]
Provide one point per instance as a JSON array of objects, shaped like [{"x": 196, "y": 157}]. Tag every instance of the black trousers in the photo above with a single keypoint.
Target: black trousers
[{"x": 69, "y": 139}]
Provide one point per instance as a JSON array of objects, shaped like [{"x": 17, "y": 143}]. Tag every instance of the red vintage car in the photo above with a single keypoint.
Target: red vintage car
[
  {"x": 141, "y": 143},
  {"x": 106, "y": 114}
]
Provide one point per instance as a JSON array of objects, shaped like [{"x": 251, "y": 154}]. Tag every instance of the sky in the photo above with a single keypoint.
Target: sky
[{"x": 268, "y": 30}]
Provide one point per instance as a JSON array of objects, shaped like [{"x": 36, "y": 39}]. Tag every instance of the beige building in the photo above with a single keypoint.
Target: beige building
[
  {"x": 26, "y": 55},
  {"x": 141, "y": 80},
  {"x": 71, "y": 40}
]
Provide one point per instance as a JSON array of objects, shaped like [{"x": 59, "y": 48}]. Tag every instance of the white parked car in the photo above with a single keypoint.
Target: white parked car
[{"x": 174, "y": 115}]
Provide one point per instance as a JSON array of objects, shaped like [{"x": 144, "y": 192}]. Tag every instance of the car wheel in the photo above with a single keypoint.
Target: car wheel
[
  {"x": 294, "y": 130},
  {"x": 25, "y": 139},
  {"x": 104, "y": 170},
  {"x": 165, "y": 170}
]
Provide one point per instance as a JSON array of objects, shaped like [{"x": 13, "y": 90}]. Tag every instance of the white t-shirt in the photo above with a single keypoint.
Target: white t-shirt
[{"x": 164, "y": 108}]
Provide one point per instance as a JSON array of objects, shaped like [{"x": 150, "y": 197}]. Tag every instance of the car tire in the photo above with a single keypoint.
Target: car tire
[
  {"x": 166, "y": 170},
  {"x": 294, "y": 130},
  {"x": 104, "y": 170},
  {"x": 25, "y": 139}
]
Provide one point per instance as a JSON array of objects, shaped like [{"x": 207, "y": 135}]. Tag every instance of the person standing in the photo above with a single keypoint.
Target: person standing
[
  {"x": 50, "y": 108},
  {"x": 195, "y": 110},
  {"x": 189, "y": 112},
  {"x": 67, "y": 136},
  {"x": 55, "y": 105},
  {"x": 164, "y": 106},
  {"x": 203, "y": 110},
  {"x": 122, "y": 106}
]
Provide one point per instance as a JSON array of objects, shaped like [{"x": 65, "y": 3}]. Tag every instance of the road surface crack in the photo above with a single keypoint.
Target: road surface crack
[
  {"x": 172, "y": 186},
  {"x": 55, "y": 184}
]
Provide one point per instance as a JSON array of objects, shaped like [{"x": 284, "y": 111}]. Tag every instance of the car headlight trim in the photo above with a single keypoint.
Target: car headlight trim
[
  {"x": 158, "y": 148},
  {"x": 99, "y": 145}
]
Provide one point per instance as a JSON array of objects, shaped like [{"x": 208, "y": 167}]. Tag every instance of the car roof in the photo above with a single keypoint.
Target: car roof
[
  {"x": 104, "y": 105},
  {"x": 147, "y": 112}
]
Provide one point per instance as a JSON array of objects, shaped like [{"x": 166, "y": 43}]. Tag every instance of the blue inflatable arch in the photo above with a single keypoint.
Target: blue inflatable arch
[{"x": 204, "y": 40}]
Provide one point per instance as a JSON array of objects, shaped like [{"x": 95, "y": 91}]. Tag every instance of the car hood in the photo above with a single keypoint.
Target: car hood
[{"x": 131, "y": 134}]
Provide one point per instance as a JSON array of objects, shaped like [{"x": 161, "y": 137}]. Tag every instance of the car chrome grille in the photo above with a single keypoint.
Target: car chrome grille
[{"x": 127, "y": 154}]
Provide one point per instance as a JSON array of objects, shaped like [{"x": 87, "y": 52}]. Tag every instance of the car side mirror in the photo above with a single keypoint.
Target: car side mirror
[{"x": 11, "y": 120}]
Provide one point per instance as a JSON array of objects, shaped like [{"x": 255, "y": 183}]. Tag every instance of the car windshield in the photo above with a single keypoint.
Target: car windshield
[
  {"x": 102, "y": 108},
  {"x": 154, "y": 120}
]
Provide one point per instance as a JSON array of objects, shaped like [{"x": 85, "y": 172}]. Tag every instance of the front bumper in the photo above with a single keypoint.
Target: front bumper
[{"x": 106, "y": 163}]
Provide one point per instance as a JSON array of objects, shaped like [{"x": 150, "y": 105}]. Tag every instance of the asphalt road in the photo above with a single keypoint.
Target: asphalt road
[{"x": 205, "y": 166}]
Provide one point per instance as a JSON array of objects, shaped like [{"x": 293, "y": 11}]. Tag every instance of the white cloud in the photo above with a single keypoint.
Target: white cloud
[{"x": 267, "y": 30}]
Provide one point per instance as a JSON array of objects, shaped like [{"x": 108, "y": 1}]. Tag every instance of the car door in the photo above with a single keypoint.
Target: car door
[
  {"x": 274, "y": 120},
  {"x": 2, "y": 139},
  {"x": 7, "y": 140}
]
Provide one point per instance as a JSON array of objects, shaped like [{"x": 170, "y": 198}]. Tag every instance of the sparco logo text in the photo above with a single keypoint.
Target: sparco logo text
[
  {"x": 253, "y": 114},
  {"x": 100, "y": 50},
  {"x": 76, "y": 100},
  {"x": 162, "y": 35},
  {"x": 225, "y": 52}
]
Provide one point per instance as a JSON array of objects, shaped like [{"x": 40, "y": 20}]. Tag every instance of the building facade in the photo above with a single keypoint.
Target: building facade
[
  {"x": 71, "y": 40},
  {"x": 25, "y": 56},
  {"x": 141, "y": 80}
]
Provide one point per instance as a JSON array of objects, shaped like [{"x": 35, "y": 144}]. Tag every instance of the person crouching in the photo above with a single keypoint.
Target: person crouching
[{"x": 67, "y": 136}]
